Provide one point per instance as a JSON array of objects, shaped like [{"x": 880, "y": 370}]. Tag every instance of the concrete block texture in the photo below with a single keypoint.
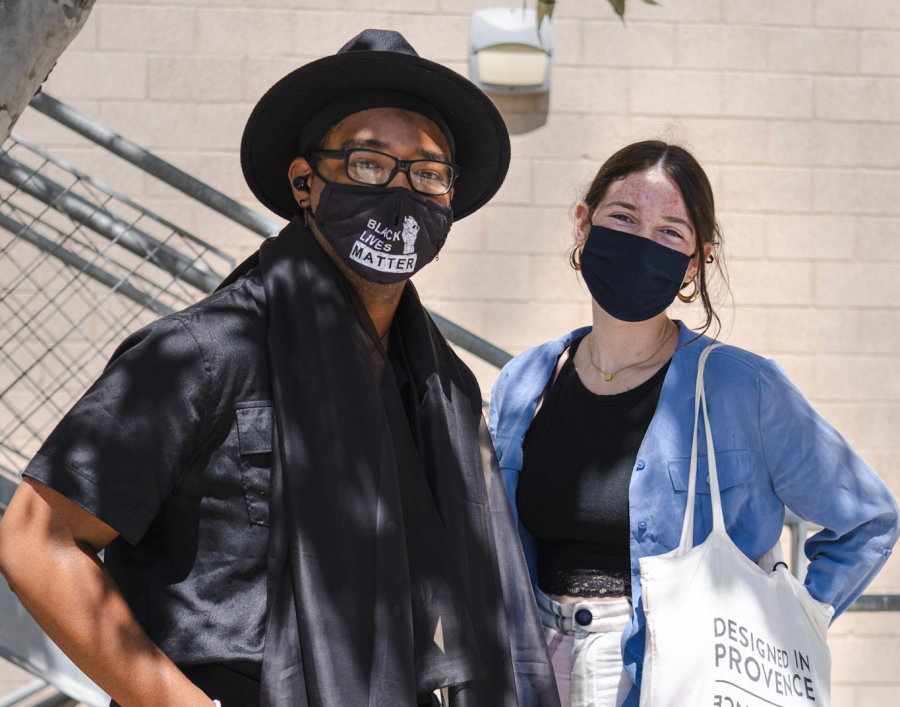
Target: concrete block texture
[
  {"x": 743, "y": 235},
  {"x": 613, "y": 44},
  {"x": 767, "y": 95},
  {"x": 875, "y": 14},
  {"x": 813, "y": 51},
  {"x": 460, "y": 277},
  {"x": 879, "y": 331},
  {"x": 879, "y": 238},
  {"x": 467, "y": 236},
  {"x": 768, "y": 12},
  {"x": 861, "y": 192},
  {"x": 812, "y": 331},
  {"x": 245, "y": 32},
  {"x": 510, "y": 229},
  {"x": 765, "y": 189},
  {"x": 579, "y": 89},
  {"x": 154, "y": 125},
  {"x": 717, "y": 141},
  {"x": 145, "y": 29},
  {"x": 879, "y": 145},
  {"x": 400, "y": 6},
  {"x": 802, "y": 142},
  {"x": 516, "y": 188},
  {"x": 880, "y": 53},
  {"x": 315, "y": 35},
  {"x": 675, "y": 11},
  {"x": 553, "y": 280},
  {"x": 816, "y": 237},
  {"x": 722, "y": 46},
  {"x": 259, "y": 75},
  {"x": 450, "y": 44},
  {"x": 676, "y": 92},
  {"x": 559, "y": 182},
  {"x": 516, "y": 326},
  {"x": 770, "y": 282},
  {"x": 860, "y": 98},
  {"x": 857, "y": 284},
  {"x": 194, "y": 79},
  {"x": 557, "y": 138},
  {"x": 220, "y": 125},
  {"x": 98, "y": 75},
  {"x": 567, "y": 42},
  {"x": 874, "y": 666}
]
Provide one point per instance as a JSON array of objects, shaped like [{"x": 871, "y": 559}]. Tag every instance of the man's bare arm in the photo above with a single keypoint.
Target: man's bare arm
[{"x": 48, "y": 554}]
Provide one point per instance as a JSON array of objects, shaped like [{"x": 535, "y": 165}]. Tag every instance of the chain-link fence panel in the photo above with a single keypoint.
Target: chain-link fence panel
[{"x": 81, "y": 266}]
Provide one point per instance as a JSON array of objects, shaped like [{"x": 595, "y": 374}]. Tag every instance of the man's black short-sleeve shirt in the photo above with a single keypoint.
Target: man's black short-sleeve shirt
[{"x": 171, "y": 447}]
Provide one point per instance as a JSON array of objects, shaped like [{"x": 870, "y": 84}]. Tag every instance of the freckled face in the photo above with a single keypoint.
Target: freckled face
[{"x": 648, "y": 204}]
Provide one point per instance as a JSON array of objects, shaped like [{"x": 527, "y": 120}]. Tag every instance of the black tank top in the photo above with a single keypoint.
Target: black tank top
[{"x": 572, "y": 494}]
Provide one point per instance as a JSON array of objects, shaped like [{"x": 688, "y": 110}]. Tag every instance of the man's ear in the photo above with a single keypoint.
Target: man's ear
[
  {"x": 299, "y": 174},
  {"x": 582, "y": 223}
]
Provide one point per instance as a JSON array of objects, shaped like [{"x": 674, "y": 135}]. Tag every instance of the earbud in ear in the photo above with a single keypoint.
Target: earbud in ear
[{"x": 300, "y": 183}]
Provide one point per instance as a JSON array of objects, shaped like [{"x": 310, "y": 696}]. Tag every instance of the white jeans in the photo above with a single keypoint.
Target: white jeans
[{"x": 587, "y": 660}]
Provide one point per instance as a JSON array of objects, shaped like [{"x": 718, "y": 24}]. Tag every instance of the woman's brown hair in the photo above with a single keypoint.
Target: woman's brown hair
[{"x": 684, "y": 170}]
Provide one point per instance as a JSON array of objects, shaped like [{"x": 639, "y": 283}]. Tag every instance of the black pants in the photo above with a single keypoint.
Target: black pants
[{"x": 223, "y": 684}]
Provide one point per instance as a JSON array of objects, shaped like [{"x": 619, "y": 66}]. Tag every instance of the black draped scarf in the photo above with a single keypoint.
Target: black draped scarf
[{"x": 394, "y": 565}]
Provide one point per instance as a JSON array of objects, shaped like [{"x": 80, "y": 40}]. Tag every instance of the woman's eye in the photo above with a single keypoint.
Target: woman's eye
[
  {"x": 622, "y": 217},
  {"x": 674, "y": 234}
]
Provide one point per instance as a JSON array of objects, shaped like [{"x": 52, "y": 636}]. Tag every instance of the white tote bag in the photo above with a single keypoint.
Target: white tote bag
[{"x": 721, "y": 631}]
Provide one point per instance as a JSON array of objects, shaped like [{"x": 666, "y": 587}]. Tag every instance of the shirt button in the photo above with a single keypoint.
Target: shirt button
[
  {"x": 499, "y": 455},
  {"x": 642, "y": 525},
  {"x": 640, "y": 465},
  {"x": 707, "y": 478},
  {"x": 583, "y": 617}
]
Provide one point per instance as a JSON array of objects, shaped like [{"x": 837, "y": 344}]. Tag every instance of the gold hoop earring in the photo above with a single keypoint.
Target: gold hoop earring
[
  {"x": 687, "y": 299},
  {"x": 575, "y": 258}
]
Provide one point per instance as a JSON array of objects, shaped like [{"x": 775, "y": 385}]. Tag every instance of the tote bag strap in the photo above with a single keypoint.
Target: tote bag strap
[{"x": 687, "y": 530}]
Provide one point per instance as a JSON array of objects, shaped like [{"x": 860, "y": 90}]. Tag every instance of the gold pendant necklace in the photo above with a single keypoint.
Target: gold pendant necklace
[{"x": 609, "y": 376}]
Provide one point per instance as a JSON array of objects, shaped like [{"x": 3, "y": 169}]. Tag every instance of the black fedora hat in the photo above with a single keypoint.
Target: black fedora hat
[{"x": 374, "y": 59}]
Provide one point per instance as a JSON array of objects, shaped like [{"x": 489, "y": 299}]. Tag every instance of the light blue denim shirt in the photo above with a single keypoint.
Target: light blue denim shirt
[{"x": 772, "y": 450}]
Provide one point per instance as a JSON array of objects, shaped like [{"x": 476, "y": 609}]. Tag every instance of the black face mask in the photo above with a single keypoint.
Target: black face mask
[
  {"x": 630, "y": 277},
  {"x": 383, "y": 234}
]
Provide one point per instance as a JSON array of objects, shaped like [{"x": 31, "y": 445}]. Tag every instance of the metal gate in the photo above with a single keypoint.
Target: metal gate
[{"x": 80, "y": 267}]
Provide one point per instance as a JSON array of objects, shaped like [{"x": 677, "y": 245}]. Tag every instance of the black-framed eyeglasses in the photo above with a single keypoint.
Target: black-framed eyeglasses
[{"x": 376, "y": 169}]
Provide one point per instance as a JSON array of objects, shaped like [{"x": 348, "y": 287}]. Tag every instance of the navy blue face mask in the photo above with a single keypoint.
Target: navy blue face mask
[{"x": 632, "y": 278}]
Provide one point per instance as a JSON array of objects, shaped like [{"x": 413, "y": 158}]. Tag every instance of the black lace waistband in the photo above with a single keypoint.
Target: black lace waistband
[{"x": 584, "y": 583}]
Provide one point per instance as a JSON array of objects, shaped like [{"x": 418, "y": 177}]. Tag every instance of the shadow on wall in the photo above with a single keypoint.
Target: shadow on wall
[{"x": 522, "y": 113}]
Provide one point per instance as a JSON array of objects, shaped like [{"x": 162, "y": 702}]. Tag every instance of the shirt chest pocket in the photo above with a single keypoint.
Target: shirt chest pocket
[
  {"x": 254, "y": 425},
  {"x": 733, "y": 467}
]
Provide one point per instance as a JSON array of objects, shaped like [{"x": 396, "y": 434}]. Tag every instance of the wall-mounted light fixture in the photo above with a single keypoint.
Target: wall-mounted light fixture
[{"x": 508, "y": 55}]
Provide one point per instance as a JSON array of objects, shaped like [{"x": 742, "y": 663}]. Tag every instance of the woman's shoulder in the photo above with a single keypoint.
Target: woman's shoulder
[
  {"x": 726, "y": 357},
  {"x": 523, "y": 378},
  {"x": 734, "y": 368},
  {"x": 540, "y": 356}
]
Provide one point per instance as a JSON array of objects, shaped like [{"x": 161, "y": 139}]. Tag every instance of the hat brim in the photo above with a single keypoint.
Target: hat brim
[{"x": 270, "y": 138}]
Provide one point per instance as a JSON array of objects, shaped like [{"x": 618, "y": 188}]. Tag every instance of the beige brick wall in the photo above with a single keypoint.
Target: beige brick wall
[{"x": 793, "y": 108}]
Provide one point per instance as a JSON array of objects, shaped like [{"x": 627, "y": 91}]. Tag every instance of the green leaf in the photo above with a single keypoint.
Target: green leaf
[
  {"x": 544, "y": 9},
  {"x": 619, "y": 7},
  {"x": 651, "y": 2}
]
